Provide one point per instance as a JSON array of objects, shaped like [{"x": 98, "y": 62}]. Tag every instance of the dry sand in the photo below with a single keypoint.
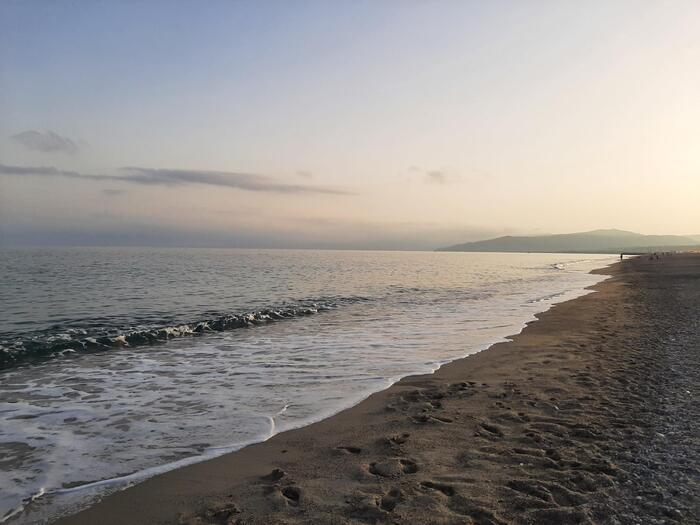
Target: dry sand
[{"x": 590, "y": 415}]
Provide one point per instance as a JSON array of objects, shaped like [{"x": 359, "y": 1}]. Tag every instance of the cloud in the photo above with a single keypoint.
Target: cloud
[
  {"x": 111, "y": 192},
  {"x": 173, "y": 177},
  {"x": 47, "y": 142},
  {"x": 436, "y": 177},
  {"x": 433, "y": 176},
  {"x": 44, "y": 170}
]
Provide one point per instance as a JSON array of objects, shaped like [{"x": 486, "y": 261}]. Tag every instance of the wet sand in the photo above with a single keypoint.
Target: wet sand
[{"x": 590, "y": 415}]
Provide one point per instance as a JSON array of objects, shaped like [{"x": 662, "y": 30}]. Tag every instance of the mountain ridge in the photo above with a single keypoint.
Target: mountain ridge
[{"x": 594, "y": 241}]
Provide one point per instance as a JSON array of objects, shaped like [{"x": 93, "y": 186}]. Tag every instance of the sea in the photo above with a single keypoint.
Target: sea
[{"x": 117, "y": 364}]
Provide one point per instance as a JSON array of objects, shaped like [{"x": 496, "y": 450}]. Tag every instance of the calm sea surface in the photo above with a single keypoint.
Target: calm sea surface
[{"x": 117, "y": 364}]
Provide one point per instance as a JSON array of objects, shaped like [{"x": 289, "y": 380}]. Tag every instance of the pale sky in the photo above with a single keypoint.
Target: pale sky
[{"x": 370, "y": 124}]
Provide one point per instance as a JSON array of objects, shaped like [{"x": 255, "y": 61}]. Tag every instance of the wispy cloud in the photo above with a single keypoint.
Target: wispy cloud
[
  {"x": 433, "y": 176},
  {"x": 46, "y": 141},
  {"x": 111, "y": 192},
  {"x": 173, "y": 177},
  {"x": 436, "y": 177}
]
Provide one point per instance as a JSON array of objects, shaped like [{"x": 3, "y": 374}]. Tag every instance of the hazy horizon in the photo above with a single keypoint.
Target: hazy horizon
[
  {"x": 366, "y": 125},
  {"x": 176, "y": 239}
]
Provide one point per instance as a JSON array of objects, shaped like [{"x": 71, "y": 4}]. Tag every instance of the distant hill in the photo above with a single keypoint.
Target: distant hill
[{"x": 597, "y": 241}]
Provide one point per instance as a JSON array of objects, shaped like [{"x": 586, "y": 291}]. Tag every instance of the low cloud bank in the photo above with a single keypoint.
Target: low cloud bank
[{"x": 175, "y": 177}]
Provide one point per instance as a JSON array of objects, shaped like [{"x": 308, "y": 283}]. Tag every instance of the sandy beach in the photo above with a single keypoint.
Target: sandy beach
[{"x": 590, "y": 415}]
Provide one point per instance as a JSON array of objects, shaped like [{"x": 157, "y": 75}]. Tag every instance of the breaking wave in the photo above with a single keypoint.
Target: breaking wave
[{"x": 75, "y": 340}]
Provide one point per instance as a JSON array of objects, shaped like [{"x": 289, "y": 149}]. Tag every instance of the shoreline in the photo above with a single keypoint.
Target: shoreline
[
  {"x": 48, "y": 505},
  {"x": 382, "y": 471}
]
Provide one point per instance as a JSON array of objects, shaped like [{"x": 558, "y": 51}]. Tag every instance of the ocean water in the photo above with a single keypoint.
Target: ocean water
[{"x": 117, "y": 364}]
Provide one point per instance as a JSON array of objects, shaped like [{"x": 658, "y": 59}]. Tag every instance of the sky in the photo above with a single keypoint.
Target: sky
[{"x": 350, "y": 124}]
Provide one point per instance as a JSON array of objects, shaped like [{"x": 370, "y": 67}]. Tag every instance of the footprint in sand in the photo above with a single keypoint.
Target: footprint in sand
[
  {"x": 399, "y": 440},
  {"x": 218, "y": 515},
  {"x": 446, "y": 489},
  {"x": 276, "y": 475},
  {"x": 393, "y": 467},
  {"x": 492, "y": 429},
  {"x": 349, "y": 450},
  {"x": 476, "y": 510},
  {"x": 531, "y": 488},
  {"x": 389, "y": 500},
  {"x": 366, "y": 507},
  {"x": 292, "y": 495},
  {"x": 423, "y": 419}
]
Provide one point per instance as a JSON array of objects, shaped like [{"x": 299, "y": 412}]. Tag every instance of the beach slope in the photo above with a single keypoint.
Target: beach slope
[{"x": 590, "y": 415}]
